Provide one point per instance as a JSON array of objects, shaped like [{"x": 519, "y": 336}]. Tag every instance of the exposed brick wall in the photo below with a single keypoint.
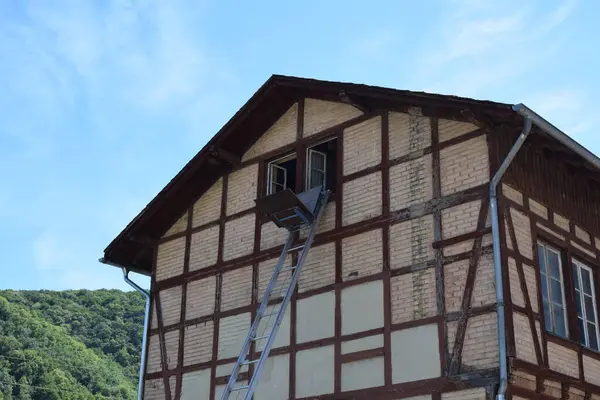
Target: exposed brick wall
[
  {"x": 320, "y": 115},
  {"x": 410, "y": 242},
  {"x": 153, "y": 364},
  {"x": 169, "y": 261},
  {"x": 561, "y": 222},
  {"x": 198, "y": 341},
  {"x": 512, "y": 194},
  {"x": 170, "y": 300},
  {"x": 236, "y": 288},
  {"x": 179, "y": 226},
  {"x": 271, "y": 236},
  {"x": 239, "y": 237},
  {"x": 469, "y": 394},
  {"x": 582, "y": 234},
  {"x": 208, "y": 207},
  {"x": 455, "y": 278},
  {"x": 327, "y": 222},
  {"x": 362, "y": 145},
  {"x": 525, "y": 349},
  {"x": 278, "y": 135},
  {"x": 480, "y": 349},
  {"x": 460, "y": 219},
  {"x": 563, "y": 360},
  {"x": 464, "y": 165},
  {"x": 155, "y": 389},
  {"x": 362, "y": 255},
  {"x": 538, "y": 208},
  {"x": 408, "y": 134},
  {"x": 204, "y": 248},
  {"x": 411, "y": 183},
  {"x": 451, "y": 129},
  {"x": 172, "y": 348},
  {"x": 265, "y": 272},
  {"x": 591, "y": 370},
  {"x": 413, "y": 296},
  {"x": 200, "y": 297},
  {"x": 362, "y": 199},
  {"x": 516, "y": 294},
  {"x": 522, "y": 227},
  {"x": 319, "y": 268},
  {"x": 484, "y": 291},
  {"x": 241, "y": 189}
]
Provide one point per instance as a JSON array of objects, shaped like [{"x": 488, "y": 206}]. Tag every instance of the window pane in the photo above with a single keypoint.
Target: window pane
[
  {"x": 317, "y": 161},
  {"x": 578, "y": 303},
  {"x": 589, "y": 308},
  {"x": 586, "y": 280},
  {"x": 541, "y": 258},
  {"x": 554, "y": 264},
  {"x": 581, "y": 331},
  {"x": 556, "y": 290},
  {"x": 559, "y": 321},
  {"x": 544, "y": 287},
  {"x": 576, "y": 276},
  {"x": 317, "y": 178},
  {"x": 592, "y": 336},
  {"x": 547, "y": 317}
]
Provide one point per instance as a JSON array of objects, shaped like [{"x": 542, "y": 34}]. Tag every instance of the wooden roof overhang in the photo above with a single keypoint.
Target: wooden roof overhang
[{"x": 132, "y": 248}]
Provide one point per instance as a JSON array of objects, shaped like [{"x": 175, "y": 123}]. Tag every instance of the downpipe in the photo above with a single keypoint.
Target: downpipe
[
  {"x": 502, "y": 353},
  {"x": 140, "y": 391}
]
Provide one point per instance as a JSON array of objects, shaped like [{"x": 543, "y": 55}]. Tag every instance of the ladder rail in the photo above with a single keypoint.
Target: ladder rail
[
  {"x": 296, "y": 275},
  {"x": 255, "y": 324},
  {"x": 265, "y": 303}
]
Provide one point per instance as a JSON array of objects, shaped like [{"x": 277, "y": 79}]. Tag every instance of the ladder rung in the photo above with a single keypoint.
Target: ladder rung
[
  {"x": 248, "y": 362},
  {"x": 296, "y": 248},
  {"x": 256, "y": 339},
  {"x": 237, "y": 389}
]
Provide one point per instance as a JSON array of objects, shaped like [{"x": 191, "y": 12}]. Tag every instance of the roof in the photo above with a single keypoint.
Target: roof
[{"x": 132, "y": 248}]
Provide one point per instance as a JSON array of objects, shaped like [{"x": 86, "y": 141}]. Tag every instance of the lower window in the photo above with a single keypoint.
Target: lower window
[
  {"x": 553, "y": 292},
  {"x": 585, "y": 298}
]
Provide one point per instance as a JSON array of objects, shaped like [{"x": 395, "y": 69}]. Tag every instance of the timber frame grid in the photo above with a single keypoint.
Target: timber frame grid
[
  {"x": 452, "y": 376},
  {"x": 570, "y": 246}
]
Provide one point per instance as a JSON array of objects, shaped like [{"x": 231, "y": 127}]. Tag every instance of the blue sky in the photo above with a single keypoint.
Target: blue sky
[{"x": 102, "y": 102}]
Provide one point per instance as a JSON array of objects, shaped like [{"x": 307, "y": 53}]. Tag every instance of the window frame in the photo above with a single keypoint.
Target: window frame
[
  {"x": 276, "y": 163},
  {"x": 578, "y": 266},
  {"x": 545, "y": 274},
  {"x": 309, "y": 167}
]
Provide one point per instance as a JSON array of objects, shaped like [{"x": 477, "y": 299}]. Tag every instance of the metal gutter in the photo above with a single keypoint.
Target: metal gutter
[
  {"x": 146, "y": 294},
  {"x": 502, "y": 353}
]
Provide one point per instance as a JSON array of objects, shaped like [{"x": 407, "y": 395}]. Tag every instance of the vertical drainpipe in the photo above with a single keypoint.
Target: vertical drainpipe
[
  {"x": 140, "y": 391},
  {"x": 498, "y": 257}
]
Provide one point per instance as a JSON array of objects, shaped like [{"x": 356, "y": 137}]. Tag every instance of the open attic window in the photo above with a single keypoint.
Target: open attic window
[
  {"x": 321, "y": 165},
  {"x": 282, "y": 174}
]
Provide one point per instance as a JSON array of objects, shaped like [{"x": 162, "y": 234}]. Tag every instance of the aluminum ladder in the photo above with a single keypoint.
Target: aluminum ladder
[{"x": 293, "y": 214}]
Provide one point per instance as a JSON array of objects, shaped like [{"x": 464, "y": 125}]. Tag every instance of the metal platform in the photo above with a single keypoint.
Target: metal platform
[{"x": 291, "y": 211}]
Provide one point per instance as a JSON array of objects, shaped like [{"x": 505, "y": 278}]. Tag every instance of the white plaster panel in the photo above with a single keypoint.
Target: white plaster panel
[
  {"x": 232, "y": 333},
  {"x": 367, "y": 343},
  {"x": 274, "y": 379},
  {"x": 315, "y": 317},
  {"x": 363, "y": 374},
  {"x": 362, "y": 307},
  {"x": 266, "y": 324},
  {"x": 195, "y": 385},
  {"x": 415, "y": 354},
  {"x": 314, "y": 372}
]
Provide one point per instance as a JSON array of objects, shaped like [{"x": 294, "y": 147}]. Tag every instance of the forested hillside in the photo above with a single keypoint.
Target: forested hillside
[{"x": 69, "y": 345}]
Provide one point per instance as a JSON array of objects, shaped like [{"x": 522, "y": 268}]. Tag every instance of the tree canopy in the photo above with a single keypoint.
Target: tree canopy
[{"x": 69, "y": 345}]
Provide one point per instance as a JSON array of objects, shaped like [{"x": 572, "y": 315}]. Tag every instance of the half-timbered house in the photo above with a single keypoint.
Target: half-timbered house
[{"x": 402, "y": 295}]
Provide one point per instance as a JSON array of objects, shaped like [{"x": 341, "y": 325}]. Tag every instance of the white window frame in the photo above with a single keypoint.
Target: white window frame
[
  {"x": 578, "y": 267},
  {"x": 310, "y": 167},
  {"x": 549, "y": 286},
  {"x": 276, "y": 164}
]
